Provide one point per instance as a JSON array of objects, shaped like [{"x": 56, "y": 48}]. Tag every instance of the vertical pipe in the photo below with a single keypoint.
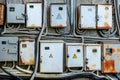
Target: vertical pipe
[{"x": 38, "y": 40}]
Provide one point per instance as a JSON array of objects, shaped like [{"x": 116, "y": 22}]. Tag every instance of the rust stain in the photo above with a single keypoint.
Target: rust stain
[
  {"x": 118, "y": 50},
  {"x": 78, "y": 18},
  {"x": 59, "y": 26},
  {"x": 106, "y": 25},
  {"x": 1, "y": 14},
  {"x": 93, "y": 67},
  {"x": 113, "y": 50},
  {"x": 30, "y": 62},
  {"x": 118, "y": 58},
  {"x": 26, "y": 39},
  {"x": 104, "y": 5},
  {"x": 109, "y": 66},
  {"x": 107, "y": 16}
]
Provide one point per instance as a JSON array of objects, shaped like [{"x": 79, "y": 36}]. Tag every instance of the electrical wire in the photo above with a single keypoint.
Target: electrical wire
[
  {"x": 117, "y": 17},
  {"x": 16, "y": 77},
  {"x": 23, "y": 70},
  {"x": 37, "y": 43}
]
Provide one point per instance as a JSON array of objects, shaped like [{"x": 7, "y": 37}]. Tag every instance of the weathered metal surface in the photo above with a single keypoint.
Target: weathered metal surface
[
  {"x": 8, "y": 48},
  {"x": 34, "y": 15},
  {"x": 74, "y": 53},
  {"x": 58, "y": 15},
  {"x": 92, "y": 57},
  {"x": 15, "y": 13},
  {"x": 104, "y": 17},
  {"x": 87, "y": 16},
  {"x": 51, "y": 55},
  {"x": 111, "y": 54},
  {"x": 1, "y": 14},
  {"x": 27, "y": 51}
]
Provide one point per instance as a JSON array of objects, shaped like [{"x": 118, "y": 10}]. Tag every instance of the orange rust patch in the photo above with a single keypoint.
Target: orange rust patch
[
  {"x": 30, "y": 62},
  {"x": 59, "y": 26},
  {"x": 107, "y": 25},
  {"x": 1, "y": 14},
  {"x": 118, "y": 50},
  {"x": 109, "y": 66}
]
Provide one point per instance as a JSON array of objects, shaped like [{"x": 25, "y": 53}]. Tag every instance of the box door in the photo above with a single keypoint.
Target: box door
[
  {"x": 93, "y": 57},
  {"x": 34, "y": 15},
  {"x": 51, "y": 55}
]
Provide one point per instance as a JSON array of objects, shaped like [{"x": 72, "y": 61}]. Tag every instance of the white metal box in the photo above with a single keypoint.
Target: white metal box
[
  {"x": 104, "y": 17},
  {"x": 1, "y": 14},
  {"x": 8, "y": 48},
  {"x": 15, "y": 13},
  {"x": 87, "y": 16},
  {"x": 74, "y": 54},
  {"x": 111, "y": 57},
  {"x": 34, "y": 15},
  {"x": 51, "y": 56},
  {"x": 26, "y": 51},
  {"x": 58, "y": 15},
  {"x": 92, "y": 57}
]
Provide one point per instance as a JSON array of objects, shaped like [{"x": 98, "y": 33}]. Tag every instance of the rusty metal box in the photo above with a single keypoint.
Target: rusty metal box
[
  {"x": 15, "y": 13},
  {"x": 74, "y": 54},
  {"x": 26, "y": 51},
  {"x": 104, "y": 17},
  {"x": 34, "y": 15},
  {"x": 87, "y": 16},
  {"x": 1, "y": 14},
  {"x": 8, "y": 48},
  {"x": 58, "y": 15},
  {"x": 111, "y": 57},
  {"x": 51, "y": 56},
  {"x": 92, "y": 57}
]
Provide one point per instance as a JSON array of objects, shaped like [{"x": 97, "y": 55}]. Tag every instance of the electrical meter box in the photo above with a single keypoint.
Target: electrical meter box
[
  {"x": 92, "y": 57},
  {"x": 74, "y": 55},
  {"x": 111, "y": 56},
  {"x": 26, "y": 51},
  {"x": 104, "y": 17},
  {"x": 8, "y": 48},
  {"x": 58, "y": 15},
  {"x": 34, "y": 15},
  {"x": 51, "y": 56},
  {"x": 16, "y": 13},
  {"x": 1, "y": 14},
  {"x": 87, "y": 16}
]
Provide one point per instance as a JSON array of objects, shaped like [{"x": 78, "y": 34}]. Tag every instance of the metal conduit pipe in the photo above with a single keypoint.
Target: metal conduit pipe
[{"x": 38, "y": 40}]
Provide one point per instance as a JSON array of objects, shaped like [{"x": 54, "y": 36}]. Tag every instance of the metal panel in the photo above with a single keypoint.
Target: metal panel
[
  {"x": 74, "y": 54},
  {"x": 58, "y": 15},
  {"x": 93, "y": 57},
  {"x": 1, "y": 14},
  {"x": 27, "y": 51},
  {"x": 88, "y": 17},
  {"x": 34, "y": 15},
  {"x": 51, "y": 55},
  {"x": 104, "y": 20},
  {"x": 111, "y": 54},
  {"x": 15, "y": 13},
  {"x": 8, "y": 52}
]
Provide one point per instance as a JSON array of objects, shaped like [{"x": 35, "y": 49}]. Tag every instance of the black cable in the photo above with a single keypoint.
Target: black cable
[
  {"x": 16, "y": 77},
  {"x": 117, "y": 76}
]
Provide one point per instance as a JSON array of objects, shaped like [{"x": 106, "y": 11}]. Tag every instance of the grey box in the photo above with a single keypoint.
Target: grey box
[
  {"x": 8, "y": 50},
  {"x": 58, "y": 16},
  {"x": 15, "y": 13},
  {"x": 87, "y": 19}
]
